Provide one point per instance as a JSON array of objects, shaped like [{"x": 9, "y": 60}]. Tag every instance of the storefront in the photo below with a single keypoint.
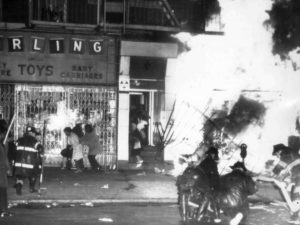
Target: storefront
[
  {"x": 51, "y": 81},
  {"x": 145, "y": 74}
]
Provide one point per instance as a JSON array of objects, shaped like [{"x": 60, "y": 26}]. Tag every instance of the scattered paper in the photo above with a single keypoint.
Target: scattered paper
[
  {"x": 76, "y": 184},
  {"x": 104, "y": 219},
  {"x": 89, "y": 204},
  {"x": 141, "y": 174},
  {"x": 105, "y": 186}
]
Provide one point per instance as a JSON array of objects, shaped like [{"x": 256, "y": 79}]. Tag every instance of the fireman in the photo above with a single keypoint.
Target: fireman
[{"x": 28, "y": 160}]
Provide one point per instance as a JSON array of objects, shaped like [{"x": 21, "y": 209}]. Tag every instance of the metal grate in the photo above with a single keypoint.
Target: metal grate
[
  {"x": 51, "y": 108},
  {"x": 6, "y": 101}
]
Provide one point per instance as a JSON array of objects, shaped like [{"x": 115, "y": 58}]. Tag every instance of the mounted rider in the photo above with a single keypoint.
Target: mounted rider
[
  {"x": 207, "y": 162},
  {"x": 288, "y": 170}
]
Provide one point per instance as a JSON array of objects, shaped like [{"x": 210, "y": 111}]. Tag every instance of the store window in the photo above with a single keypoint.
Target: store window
[{"x": 52, "y": 108}]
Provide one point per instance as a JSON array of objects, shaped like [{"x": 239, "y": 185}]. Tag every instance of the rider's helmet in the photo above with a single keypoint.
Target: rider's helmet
[{"x": 213, "y": 151}]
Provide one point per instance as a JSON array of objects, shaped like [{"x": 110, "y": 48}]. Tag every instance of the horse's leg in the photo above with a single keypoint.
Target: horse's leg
[
  {"x": 183, "y": 207},
  {"x": 216, "y": 210},
  {"x": 295, "y": 195},
  {"x": 237, "y": 219},
  {"x": 202, "y": 208}
]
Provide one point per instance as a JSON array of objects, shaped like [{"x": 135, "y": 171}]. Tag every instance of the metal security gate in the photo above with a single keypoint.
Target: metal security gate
[
  {"x": 6, "y": 101},
  {"x": 52, "y": 108}
]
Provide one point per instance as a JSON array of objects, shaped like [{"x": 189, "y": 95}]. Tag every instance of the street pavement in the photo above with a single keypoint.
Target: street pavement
[
  {"x": 122, "y": 186},
  {"x": 133, "y": 214}
]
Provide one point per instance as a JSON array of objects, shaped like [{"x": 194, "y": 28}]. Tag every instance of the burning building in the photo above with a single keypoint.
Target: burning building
[{"x": 234, "y": 89}]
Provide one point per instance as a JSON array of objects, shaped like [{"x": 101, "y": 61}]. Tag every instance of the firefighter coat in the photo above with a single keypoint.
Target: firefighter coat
[{"x": 28, "y": 157}]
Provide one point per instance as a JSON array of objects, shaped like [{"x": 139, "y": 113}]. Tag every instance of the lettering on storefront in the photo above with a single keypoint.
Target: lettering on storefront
[
  {"x": 57, "y": 58},
  {"x": 4, "y": 71},
  {"x": 56, "y": 45},
  {"x": 79, "y": 72},
  {"x": 84, "y": 72}
]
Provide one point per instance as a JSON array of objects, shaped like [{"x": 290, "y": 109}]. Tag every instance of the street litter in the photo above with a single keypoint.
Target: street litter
[
  {"x": 141, "y": 174},
  {"x": 89, "y": 204},
  {"x": 157, "y": 170},
  {"x": 104, "y": 219},
  {"x": 54, "y": 204},
  {"x": 293, "y": 222},
  {"x": 48, "y": 206},
  {"x": 76, "y": 184},
  {"x": 105, "y": 186},
  {"x": 263, "y": 207},
  {"x": 72, "y": 205}
]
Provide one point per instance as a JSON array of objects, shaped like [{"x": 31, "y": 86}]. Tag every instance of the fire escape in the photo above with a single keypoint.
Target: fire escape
[{"x": 107, "y": 16}]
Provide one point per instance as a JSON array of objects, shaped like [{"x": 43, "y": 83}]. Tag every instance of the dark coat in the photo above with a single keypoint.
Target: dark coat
[
  {"x": 210, "y": 167},
  {"x": 28, "y": 158},
  {"x": 4, "y": 166}
]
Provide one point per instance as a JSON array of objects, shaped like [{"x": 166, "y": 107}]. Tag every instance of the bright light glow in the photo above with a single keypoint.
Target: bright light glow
[
  {"x": 239, "y": 60},
  {"x": 63, "y": 118}
]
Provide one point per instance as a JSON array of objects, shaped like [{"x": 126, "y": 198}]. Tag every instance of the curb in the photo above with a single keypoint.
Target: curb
[{"x": 96, "y": 201}]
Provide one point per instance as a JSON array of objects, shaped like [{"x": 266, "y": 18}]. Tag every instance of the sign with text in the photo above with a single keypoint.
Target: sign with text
[{"x": 52, "y": 59}]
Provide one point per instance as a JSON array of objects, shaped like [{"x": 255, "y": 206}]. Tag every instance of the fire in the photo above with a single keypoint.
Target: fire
[
  {"x": 63, "y": 118},
  {"x": 219, "y": 69}
]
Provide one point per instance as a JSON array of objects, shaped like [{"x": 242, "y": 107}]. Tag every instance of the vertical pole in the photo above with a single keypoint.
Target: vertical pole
[
  {"x": 29, "y": 12},
  {"x": 39, "y": 9},
  {"x": 124, "y": 16},
  {"x": 104, "y": 15},
  {"x": 98, "y": 12},
  {"x": 1, "y": 9},
  {"x": 65, "y": 13}
]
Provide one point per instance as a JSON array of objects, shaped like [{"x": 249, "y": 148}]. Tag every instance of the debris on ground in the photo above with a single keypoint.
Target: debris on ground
[
  {"x": 54, "y": 204},
  {"x": 157, "y": 170},
  {"x": 141, "y": 174},
  {"x": 263, "y": 207},
  {"x": 105, "y": 219},
  {"x": 76, "y": 184},
  {"x": 90, "y": 204},
  {"x": 105, "y": 186}
]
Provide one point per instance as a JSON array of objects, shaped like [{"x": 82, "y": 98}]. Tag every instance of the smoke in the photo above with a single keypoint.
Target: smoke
[{"x": 234, "y": 82}]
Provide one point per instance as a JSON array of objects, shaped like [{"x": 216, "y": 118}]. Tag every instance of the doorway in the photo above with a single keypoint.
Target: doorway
[{"x": 140, "y": 109}]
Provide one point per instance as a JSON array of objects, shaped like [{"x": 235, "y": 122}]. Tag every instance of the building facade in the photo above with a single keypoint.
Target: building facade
[{"x": 90, "y": 61}]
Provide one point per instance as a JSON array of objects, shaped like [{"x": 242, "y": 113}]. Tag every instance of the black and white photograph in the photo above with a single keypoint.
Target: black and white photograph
[{"x": 149, "y": 112}]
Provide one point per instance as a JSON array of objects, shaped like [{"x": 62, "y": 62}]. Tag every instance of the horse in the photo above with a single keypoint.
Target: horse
[
  {"x": 196, "y": 199},
  {"x": 288, "y": 170}
]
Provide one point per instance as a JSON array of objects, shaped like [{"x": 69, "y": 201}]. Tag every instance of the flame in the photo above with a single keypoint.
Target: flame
[
  {"x": 220, "y": 68},
  {"x": 63, "y": 118}
]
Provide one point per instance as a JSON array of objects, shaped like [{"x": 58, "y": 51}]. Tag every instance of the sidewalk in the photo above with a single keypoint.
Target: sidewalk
[
  {"x": 124, "y": 186},
  {"x": 65, "y": 186}
]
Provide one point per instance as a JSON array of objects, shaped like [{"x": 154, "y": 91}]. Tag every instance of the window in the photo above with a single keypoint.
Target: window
[{"x": 14, "y": 11}]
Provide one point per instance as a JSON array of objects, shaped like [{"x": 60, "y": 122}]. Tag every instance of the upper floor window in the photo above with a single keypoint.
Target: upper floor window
[{"x": 14, "y": 11}]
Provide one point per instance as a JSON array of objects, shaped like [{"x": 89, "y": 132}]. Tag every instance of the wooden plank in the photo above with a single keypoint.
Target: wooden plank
[{"x": 149, "y": 49}]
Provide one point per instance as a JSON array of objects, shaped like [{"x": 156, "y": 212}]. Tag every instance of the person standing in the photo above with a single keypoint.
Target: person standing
[
  {"x": 73, "y": 140},
  {"x": 4, "y": 168},
  {"x": 135, "y": 143},
  {"x": 91, "y": 140},
  {"x": 28, "y": 162}
]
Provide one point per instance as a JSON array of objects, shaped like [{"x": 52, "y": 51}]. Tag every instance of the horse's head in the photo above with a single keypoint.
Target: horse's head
[
  {"x": 188, "y": 179},
  {"x": 249, "y": 185},
  {"x": 192, "y": 178}
]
